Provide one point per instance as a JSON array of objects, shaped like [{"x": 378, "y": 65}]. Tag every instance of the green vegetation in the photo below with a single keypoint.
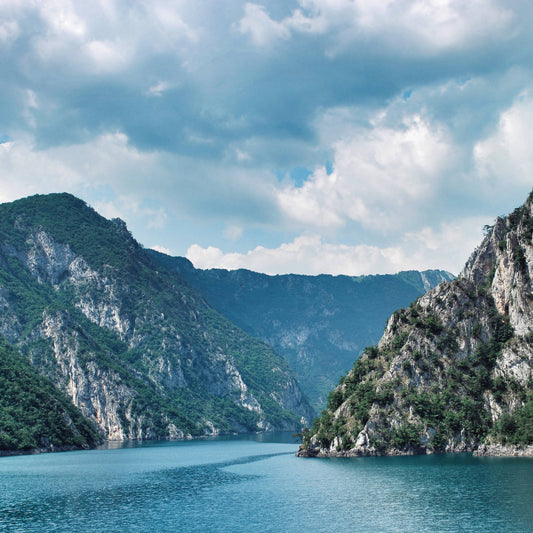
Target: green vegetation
[
  {"x": 327, "y": 318},
  {"x": 33, "y": 413},
  {"x": 454, "y": 402},
  {"x": 516, "y": 428},
  {"x": 70, "y": 221},
  {"x": 168, "y": 325}
]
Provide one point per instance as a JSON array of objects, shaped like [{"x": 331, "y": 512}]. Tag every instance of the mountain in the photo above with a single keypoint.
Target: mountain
[
  {"x": 454, "y": 371},
  {"x": 319, "y": 323},
  {"x": 34, "y": 414},
  {"x": 137, "y": 350}
]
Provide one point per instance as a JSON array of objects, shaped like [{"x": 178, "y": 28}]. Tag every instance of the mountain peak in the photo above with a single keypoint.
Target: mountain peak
[{"x": 454, "y": 371}]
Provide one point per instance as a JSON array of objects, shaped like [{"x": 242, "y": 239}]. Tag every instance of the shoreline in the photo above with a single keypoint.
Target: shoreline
[
  {"x": 484, "y": 450},
  {"x": 50, "y": 449},
  {"x": 119, "y": 443}
]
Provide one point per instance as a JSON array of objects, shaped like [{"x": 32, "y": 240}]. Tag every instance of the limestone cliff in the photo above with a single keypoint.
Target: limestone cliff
[
  {"x": 320, "y": 324},
  {"x": 453, "y": 372},
  {"x": 137, "y": 350}
]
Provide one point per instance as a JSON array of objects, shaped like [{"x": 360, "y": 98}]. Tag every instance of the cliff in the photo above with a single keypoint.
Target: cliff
[
  {"x": 136, "y": 349},
  {"x": 452, "y": 372},
  {"x": 320, "y": 324},
  {"x": 34, "y": 414}
]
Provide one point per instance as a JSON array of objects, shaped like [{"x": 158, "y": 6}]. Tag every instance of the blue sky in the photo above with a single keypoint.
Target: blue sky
[{"x": 332, "y": 136}]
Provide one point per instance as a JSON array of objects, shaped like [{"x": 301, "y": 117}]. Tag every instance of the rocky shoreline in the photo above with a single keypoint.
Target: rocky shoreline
[
  {"x": 48, "y": 449},
  {"x": 499, "y": 450},
  {"x": 485, "y": 450}
]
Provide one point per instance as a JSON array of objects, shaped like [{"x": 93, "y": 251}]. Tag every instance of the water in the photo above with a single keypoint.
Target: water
[{"x": 257, "y": 484}]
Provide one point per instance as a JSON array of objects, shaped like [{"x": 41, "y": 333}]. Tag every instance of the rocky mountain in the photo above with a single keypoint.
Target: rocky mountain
[
  {"x": 34, "y": 414},
  {"x": 454, "y": 371},
  {"x": 320, "y": 324},
  {"x": 137, "y": 350}
]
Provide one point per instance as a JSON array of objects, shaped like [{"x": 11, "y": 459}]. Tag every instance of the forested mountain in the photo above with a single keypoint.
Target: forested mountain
[
  {"x": 34, "y": 414},
  {"x": 319, "y": 323},
  {"x": 453, "y": 371},
  {"x": 138, "y": 351}
]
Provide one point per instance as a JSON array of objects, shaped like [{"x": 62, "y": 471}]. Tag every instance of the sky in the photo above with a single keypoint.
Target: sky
[{"x": 308, "y": 136}]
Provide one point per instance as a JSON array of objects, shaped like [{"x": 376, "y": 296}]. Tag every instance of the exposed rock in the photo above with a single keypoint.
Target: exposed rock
[
  {"x": 320, "y": 324},
  {"x": 453, "y": 372},
  {"x": 497, "y": 450},
  {"x": 137, "y": 350}
]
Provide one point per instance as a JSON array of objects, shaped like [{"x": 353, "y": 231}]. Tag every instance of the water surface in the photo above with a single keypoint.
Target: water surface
[{"x": 257, "y": 484}]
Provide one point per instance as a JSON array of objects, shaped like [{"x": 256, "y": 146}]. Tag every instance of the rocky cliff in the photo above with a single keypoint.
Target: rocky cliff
[
  {"x": 320, "y": 324},
  {"x": 34, "y": 414},
  {"x": 137, "y": 350},
  {"x": 452, "y": 372}
]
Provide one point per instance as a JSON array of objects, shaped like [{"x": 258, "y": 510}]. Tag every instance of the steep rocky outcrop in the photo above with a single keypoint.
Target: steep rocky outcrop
[
  {"x": 138, "y": 351},
  {"x": 34, "y": 415},
  {"x": 453, "y": 372},
  {"x": 320, "y": 324}
]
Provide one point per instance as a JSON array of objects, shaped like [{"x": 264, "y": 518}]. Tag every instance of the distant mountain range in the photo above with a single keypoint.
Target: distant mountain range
[
  {"x": 453, "y": 372},
  {"x": 102, "y": 339},
  {"x": 320, "y": 324}
]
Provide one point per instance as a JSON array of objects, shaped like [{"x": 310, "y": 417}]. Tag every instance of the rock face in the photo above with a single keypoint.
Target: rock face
[
  {"x": 320, "y": 324},
  {"x": 34, "y": 415},
  {"x": 137, "y": 350},
  {"x": 453, "y": 372}
]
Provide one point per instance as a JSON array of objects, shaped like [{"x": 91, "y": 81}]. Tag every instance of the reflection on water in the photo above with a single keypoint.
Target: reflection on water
[{"x": 245, "y": 484}]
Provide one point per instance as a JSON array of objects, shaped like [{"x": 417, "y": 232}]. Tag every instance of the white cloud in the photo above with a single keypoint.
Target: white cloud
[
  {"x": 102, "y": 37},
  {"x": 106, "y": 55},
  {"x": 506, "y": 156},
  {"x": 233, "y": 233},
  {"x": 9, "y": 31},
  {"x": 262, "y": 29},
  {"x": 24, "y": 171},
  {"x": 162, "y": 249},
  {"x": 109, "y": 209},
  {"x": 62, "y": 18},
  {"x": 410, "y": 27},
  {"x": 128, "y": 207},
  {"x": 379, "y": 176},
  {"x": 446, "y": 248},
  {"x": 159, "y": 88}
]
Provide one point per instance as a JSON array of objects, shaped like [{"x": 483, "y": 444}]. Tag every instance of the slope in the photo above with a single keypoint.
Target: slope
[
  {"x": 453, "y": 372},
  {"x": 319, "y": 323},
  {"x": 137, "y": 350},
  {"x": 34, "y": 414}
]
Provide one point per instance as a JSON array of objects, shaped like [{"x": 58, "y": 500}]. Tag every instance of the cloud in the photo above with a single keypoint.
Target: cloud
[
  {"x": 401, "y": 27},
  {"x": 507, "y": 152},
  {"x": 369, "y": 125},
  {"x": 309, "y": 254},
  {"x": 142, "y": 184},
  {"x": 261, "y": 28},
  {"x": 380, "y": 173},
  {"x": 162, "y": 249},
  {"x": 233, "y": 233}
]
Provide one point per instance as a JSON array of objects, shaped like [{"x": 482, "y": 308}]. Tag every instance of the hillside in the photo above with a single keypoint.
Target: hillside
[
  {"x": 319, "y": 323},
  {"x": 34, "y": 414},
  {"x": 453, "y": 372},
  {"x": 138, "y": 351}
]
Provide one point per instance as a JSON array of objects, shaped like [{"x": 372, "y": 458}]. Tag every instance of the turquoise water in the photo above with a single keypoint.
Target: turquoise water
[{"x": 247, "y": 484}]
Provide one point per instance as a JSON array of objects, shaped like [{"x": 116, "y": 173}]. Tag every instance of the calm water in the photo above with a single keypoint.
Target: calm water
[{"x": 259, "y": 485}]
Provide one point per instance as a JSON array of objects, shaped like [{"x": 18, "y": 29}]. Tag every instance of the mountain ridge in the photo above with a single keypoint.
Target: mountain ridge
[
  {"x": 453, "y": 372},
  {"x": 318, "y": 323},
  {"x": 139, "y": 352}
]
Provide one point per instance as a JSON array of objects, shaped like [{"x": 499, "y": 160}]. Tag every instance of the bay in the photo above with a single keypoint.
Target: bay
[{"x": 255, "y": 483}]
